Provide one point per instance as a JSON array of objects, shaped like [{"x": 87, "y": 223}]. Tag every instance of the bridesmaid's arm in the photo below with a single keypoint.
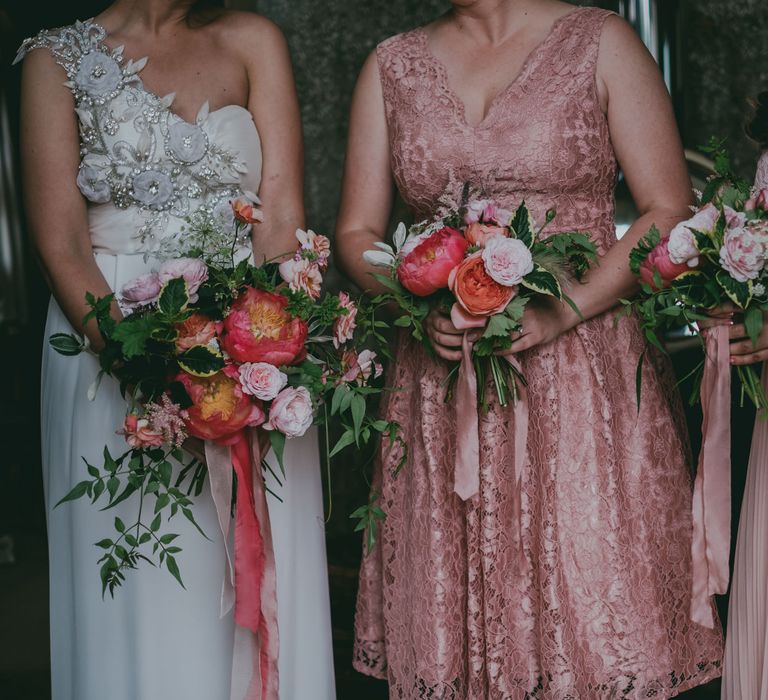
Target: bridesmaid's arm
[
  {"x": 367, "y": 189},
  {"x": 274, "y": 105},
  {"x": 56, "y": 210},
  {"x": 648, "y": 147}
]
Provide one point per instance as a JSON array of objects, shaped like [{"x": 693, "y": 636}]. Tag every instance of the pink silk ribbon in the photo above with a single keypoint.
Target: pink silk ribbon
[
  {"x": 254, "y": 668},
  {"x": 711, "y": 543},
  {"x": 467, "y": 466}
]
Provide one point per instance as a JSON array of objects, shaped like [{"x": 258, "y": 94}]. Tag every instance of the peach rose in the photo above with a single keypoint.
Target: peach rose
[
  {"x": 245, "y": 209},
  {"x": 139, "y": 433},
  {"x": 476, "y": 291},
  {"x": 479, "y": 234},
  {"x": 198, "y": 329}
]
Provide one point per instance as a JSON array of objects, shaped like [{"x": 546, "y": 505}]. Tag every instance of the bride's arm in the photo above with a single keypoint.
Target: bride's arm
[
  {"x": 56, "y": 210},
  {"x": 647, "y": 144},
  {"x": 274, "y": 106}
]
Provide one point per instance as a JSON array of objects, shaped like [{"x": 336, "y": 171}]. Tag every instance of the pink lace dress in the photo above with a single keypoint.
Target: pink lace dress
[{"x": 601, "y": 607}]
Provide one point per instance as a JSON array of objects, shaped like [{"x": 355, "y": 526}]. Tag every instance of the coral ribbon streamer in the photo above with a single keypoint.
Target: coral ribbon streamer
[
  {"x": 254, "y": 669},
  {"x": 467, "y": 466},
  {"x": 710, "y": 546}
]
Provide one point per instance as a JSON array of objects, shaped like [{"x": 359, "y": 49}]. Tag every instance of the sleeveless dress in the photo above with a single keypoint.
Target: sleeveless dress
[
  {"x": 143, "y": 171},
  {"x": 601, "y": 607},
  {"x": 745, "y": 670}
]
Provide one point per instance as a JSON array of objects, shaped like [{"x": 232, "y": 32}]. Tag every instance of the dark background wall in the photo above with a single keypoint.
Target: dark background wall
[{"x": 722, "y": 60}]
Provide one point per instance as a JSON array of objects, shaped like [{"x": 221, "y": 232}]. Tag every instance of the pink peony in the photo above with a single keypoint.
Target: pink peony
[
  {"x": 140, "y": 434},
  {"x": 682, "y": 242},
  {"x": 658, "y": 259},
  {"x": 487, "y": 211},
  {"x": 291, "y": 413},
  {"x": 220, "y": 408},
  {"x": 507, "y": 260},
  {"x": 744, "y": 251},
  {"x": 141, "y": 291},
  {"x": 193, "y": 270},
  {"x": 344, "y": 326},
  {"x": 262, "y": 380},
  {"x": 259, "y": 329},
  {"x": 425, "y": 268},
  {"x": 302, "y": 275}
]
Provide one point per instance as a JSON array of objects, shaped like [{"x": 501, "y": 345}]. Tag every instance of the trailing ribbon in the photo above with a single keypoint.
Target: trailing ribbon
[
  {"x": 711, "y": 543},
  {"x": 254, "y": 594},
  {"x": 467, "y": 466}
]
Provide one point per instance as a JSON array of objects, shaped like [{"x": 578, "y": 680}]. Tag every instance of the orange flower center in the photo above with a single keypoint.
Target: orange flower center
[
  {"x": 218, "y": 397},
  {"x": 266, "y": 321}
]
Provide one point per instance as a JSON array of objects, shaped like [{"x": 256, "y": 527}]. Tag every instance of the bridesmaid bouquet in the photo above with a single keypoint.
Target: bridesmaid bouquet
[
  {"x": 233, "y": 354},
  {"x": 716, "y": 257},
  {"x": 481, "y": 264}
]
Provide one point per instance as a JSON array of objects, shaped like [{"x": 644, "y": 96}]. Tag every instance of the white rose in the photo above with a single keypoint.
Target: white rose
[
  {"x": 682, "y": 245},
  {"x": 507, "y": 260}
]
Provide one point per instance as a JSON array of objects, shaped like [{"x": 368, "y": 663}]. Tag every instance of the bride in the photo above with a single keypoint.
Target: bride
[{"x": 133, "y": 121}]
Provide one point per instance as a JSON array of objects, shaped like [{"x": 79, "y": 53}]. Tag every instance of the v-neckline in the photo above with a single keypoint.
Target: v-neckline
[
  {"x": 154, "y": 95},
  {"x": 519, "y": 79}
]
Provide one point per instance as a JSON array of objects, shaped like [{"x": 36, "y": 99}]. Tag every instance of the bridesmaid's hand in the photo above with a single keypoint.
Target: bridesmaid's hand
[
  {"x": 543, "y": 321},
  {"x": 743, "y": 352},
  {"x": 445, "y": 337}
]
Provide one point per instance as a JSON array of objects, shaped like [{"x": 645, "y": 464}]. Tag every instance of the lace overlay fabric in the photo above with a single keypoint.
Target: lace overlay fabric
[
  {"x": 601, "y": 607},
  {"x": 137, "y": 155}
]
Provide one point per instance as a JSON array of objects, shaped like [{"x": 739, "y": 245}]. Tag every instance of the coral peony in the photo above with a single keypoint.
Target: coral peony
[
  {"x": 425, "y": 268},
  {"x": 259, "y": 329},
  {"x": 198, "y": 329},
  {"x": 219, "y": 407},
  {"x": 658, "y": 259},
  {"x": 476, "y": 291}
]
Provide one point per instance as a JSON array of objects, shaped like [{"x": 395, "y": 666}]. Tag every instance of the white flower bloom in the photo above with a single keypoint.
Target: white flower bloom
[
  {"x": 152, "y": 188},
  {"x": 93, "y": 184},
  {"x": 682, "y": 245},
  {"x": 98, "y": 74},
  {"x": 379, "y": 258},
  {"x": 187, "y": 142}
]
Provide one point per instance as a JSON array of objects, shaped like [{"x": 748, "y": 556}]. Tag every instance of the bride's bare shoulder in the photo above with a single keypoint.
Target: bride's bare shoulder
[{"x": 249, "y": 30}]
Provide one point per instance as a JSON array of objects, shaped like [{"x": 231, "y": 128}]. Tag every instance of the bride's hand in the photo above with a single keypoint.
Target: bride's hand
[
  {"x": 542, "y": 322},
  {"x": 445, "y": 337}
]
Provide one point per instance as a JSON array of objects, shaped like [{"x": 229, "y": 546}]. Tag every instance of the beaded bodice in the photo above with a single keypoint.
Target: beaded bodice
[{"x": 139, "y": 157}]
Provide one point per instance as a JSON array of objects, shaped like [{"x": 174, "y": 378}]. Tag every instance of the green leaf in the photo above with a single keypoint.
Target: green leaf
[
  {"x": 167, "y": 539},
  {"x": 347, "y": 439},
  {"x": 66, "y": 344},
  {"x": 522, "y": 224},
  {"x": 165, "y": 470},
  {"x": 93, "y": 471},
  {"x": 104, "y": 544},
  {"x": 119, "y": 525},
  {"x": 338, "y": 395},
  {"x": 133, "y": 333},
  {"x": 543, "y": 282},
  {"x": 402, "y": 321},
  {"x": 201, "y": 361},
  {"x": 639, "y": 378},
  {"x": 78, "y": 491},
  {"x": 389, "y": 283},
  {"x": 277, "y": 440},
  {"x": 753, "y": 321},
  {"x": 740, "y": 293},
  {"x": 358, "y": 413},
  {"x": 643, "y": 248},
  {"x": 113, "y": 483},
  {"x": 173, "y": 568},
  {"x": 174, "y": 297}
]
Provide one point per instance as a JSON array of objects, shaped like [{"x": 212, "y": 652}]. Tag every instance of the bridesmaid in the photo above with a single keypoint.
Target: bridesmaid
[
  {"x": 745, "y": 672},
  {"x": 534, "y": 100}
]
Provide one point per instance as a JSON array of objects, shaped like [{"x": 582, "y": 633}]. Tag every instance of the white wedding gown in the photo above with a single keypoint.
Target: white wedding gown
[{"x": 144, "y": 170}]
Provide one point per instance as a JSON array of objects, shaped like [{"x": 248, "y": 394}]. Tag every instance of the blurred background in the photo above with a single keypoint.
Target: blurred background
[{"x": 714, "y": 56}]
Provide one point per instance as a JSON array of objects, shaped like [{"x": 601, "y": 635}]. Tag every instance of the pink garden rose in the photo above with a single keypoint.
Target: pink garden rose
[
  {"x": 198, "y": 329},
  {"x": 488, "y": 212},
  {"x": 193, "y": 270},
  {"x": 259, "y": 329},
  {"x": 758, "y": 201},
  {"x": 479, "y": 234},
  {"x": 302, "y": 275},
  {"x": 658, "y": 259},
  {"x": 141, "y": 291},
  {"x": 262, "y": 380},
  {"x": 344, "y": 326},
  {"x": 359, "y": 367},
  {"x": 140, "y": 434},
  {"x": 291, "y": 413},
  {"x": 425, "y": 267},
  {"x": 507, "y": 260},
  {"x": 744, "y": 251}
]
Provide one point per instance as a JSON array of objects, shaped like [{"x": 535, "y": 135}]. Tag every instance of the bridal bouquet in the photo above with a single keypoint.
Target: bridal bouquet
[
  {"x": 481, "y": 264},
  {"x": 716, "y": 257},
  {"x": 237, "y": 355}
]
